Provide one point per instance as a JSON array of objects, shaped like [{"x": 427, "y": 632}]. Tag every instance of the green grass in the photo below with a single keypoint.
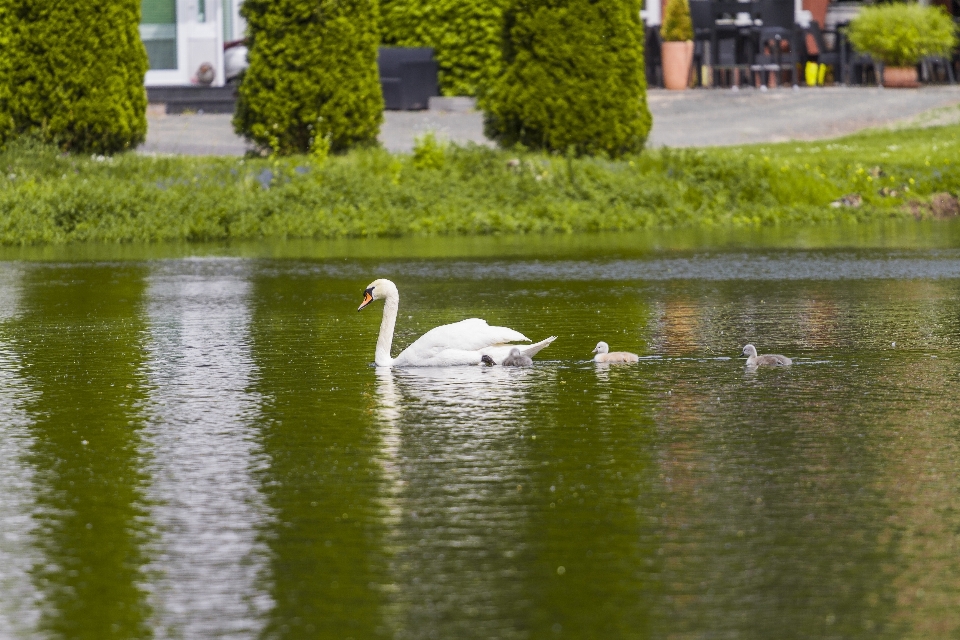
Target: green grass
[{"x": 46, "y": 197}]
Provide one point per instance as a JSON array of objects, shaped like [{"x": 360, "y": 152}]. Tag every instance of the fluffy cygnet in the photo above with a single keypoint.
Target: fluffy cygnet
[
  {"x": 604, "y": 355},
  {"x": 773, "y": 360},
  {"x": 516, "y": 359},
  {"x": 487, "y": 360}
]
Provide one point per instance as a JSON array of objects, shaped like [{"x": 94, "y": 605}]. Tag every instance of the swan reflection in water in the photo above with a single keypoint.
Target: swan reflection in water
[{"x": 455, "y": 451}]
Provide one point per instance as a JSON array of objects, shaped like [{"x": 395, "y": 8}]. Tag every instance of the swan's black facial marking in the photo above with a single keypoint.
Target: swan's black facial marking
[{"x": 367, "y": 298}]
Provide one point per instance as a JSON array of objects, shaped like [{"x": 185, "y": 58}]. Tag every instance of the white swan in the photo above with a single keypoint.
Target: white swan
[
  {"x": 460, "y": 343},
  {"x": 603, "y": 354}
]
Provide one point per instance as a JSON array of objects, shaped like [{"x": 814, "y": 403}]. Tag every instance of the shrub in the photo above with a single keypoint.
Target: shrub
[
  {"x": 901, "y": 34},
  {"x": 313, "y": 72},
  {"x": 71, "y": 73},
  {"x": 677, "y": 25},
  {"x": 428, "y": 152},
  {"x": 465, "y": 36},
  {"x": 573, "y": 78}
]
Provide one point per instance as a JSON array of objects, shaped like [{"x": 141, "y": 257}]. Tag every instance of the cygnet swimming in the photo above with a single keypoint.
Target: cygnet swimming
[
  {"x": 516, "y": 359},
  {"x": 604, "y": 355},
  {"x": 773, "y": 360},
  {"x": 487, "y": 360}
]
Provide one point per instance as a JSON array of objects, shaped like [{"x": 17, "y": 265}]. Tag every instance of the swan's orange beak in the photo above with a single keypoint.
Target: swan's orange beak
[{"x": 367, "y": 299}]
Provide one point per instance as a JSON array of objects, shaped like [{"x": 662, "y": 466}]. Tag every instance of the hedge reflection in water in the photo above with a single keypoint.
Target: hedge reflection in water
[{"x": 201, "y": 447}]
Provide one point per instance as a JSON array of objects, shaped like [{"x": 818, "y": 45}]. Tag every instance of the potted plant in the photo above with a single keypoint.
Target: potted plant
[
  {"x": 677, "y": 52},
  {"x": 900, "y": 35}
]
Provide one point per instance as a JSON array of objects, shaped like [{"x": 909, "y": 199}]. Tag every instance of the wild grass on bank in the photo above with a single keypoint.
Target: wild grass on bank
[{"x": 47, "y": 197}]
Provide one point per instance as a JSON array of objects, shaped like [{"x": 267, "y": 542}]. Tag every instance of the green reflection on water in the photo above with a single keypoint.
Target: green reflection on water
[
  {"x": 79, "y": 335},
  {"x": 898, "y": 234},
  {"x": 322, "y": 482}
]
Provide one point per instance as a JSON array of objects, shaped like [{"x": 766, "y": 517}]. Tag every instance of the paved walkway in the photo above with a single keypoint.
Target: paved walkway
[{"x": 697, "y": 118}]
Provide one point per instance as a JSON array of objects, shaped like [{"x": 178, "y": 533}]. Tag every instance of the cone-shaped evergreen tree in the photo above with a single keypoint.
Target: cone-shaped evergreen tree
[
  {"x": 312, "y": 75},
  {"x": 465, "y": 36},
  {"x": 72, "y": 73},
  {"x": 573, "y": 78}
]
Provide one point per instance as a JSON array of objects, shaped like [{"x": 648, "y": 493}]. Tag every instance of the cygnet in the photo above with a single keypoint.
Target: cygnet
[
  {"x": 487, "y": 360},
  {"x": 773, "y": 360},
  {"x": 516, "y": 359},
  {"x": 604, "y": 355}
]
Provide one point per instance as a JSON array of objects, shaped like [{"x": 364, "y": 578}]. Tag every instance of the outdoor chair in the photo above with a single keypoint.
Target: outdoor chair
[
  {"x": 824, "y": 54},
  {"x": 654, "y": 57},
  {"x": 731, "y": 43},
  {"x": 856, "y": 66},
  {"x": 408, "y": 77},
  {"x": 778, "y": 28},
  {"x": 930, "y": 65},
  {"x": 701, "y": 14}
]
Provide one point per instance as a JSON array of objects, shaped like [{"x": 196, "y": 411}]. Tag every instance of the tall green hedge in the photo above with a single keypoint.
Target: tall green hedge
[
  {"x": 312, "y": 75},
  {"x": 465, "y": 36},
  {"x": 72, "y": 73},
  {"x": 573, "y": 78}
]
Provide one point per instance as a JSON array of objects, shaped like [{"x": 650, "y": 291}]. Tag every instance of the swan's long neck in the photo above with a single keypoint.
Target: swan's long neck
[{"x": 390, "y": 307}]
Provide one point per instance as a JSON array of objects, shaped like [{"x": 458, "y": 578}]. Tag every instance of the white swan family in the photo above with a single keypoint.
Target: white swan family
[{"x": 474, "y": 342}]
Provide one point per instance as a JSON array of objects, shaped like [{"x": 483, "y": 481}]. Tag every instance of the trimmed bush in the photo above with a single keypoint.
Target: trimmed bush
[
  {"x": 573, "y": 78},
  {"x": 677, "y": 25},
  {"x": 312, "y": 77},
  {"x": 464, "y": 34},
  {"x": 901, "y": 34},
  {"x": 71, "y": 73}
]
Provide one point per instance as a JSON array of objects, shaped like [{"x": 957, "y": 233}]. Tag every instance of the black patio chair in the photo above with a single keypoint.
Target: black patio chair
[
  {"x": 653, "y": 56},
  {"x": 701, "y": 14},
  {"x": 856, "y": 66},
  {"x": 778, "y": 26},
  {"x": 825, "y": 54},
  {"x": 929, "y": 68},
  {"x": 732, "y": 44}
]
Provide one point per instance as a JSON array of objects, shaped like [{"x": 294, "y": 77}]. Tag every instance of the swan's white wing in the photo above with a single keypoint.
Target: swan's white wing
[
  {"x": 473, "y": 334},
  {"x": 499, "y": 352}
]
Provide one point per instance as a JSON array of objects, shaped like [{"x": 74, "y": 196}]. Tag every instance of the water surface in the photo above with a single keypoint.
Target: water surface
[{"x": 200, "y": 447}]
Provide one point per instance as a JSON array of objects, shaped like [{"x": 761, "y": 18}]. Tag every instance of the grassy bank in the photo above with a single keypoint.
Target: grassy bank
[{"x": 46, "y": 197}]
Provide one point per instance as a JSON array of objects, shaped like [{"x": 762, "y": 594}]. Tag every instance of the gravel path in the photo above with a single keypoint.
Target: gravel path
[{"x": 698, "y": 118}]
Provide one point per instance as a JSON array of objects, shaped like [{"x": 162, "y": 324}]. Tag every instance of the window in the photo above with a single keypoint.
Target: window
[{"x": 158, "y": 30}]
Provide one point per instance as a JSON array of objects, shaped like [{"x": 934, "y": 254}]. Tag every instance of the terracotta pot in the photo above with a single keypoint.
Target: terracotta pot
[
  {"x": 677, "y": 58},
  {"x": 902, "y": 77}
]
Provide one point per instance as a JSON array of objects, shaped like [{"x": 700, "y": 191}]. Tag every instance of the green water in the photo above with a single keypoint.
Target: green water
[{"x": 200, "y": 447}]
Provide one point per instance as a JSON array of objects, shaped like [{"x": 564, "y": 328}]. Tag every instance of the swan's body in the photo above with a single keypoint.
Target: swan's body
[
  {"x": 517, "y": 359},
  {"x": 768, "y": 360},
  {"x": 460, "y": 343},
  {"x": 605, "y": 355}
]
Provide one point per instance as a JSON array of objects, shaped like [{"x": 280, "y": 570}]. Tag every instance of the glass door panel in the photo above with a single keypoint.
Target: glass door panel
[{"x": 158, "y": 30}]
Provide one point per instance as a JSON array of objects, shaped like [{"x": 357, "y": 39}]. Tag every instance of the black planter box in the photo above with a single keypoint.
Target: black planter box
[{"x": 408, "y": 77}]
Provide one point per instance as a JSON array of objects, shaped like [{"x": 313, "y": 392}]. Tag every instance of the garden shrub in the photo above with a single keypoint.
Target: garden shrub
[
  {"x": 677, "y": 25},
  {"x": 465, "y": 36},
  {"x": 313, "y": 72},
  {"x": 71, "y": 73},
  {"x": 573, "y": 78},
  {"x": 901, "y": 34}
]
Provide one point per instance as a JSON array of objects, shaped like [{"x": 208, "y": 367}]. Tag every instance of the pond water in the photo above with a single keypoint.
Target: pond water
[{"x": 199, "y": 447}]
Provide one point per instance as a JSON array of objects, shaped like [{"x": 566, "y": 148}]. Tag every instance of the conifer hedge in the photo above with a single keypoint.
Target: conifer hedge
[
  {"x": 573, "y": 78},
  {"x": 72, "y": 73},
  {"x": 312, "y": 80},
  {"x": 465, "y": 36}
]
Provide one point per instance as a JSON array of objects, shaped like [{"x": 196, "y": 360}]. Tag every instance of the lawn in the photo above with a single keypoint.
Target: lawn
[{"x": 48, "y": 197}]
